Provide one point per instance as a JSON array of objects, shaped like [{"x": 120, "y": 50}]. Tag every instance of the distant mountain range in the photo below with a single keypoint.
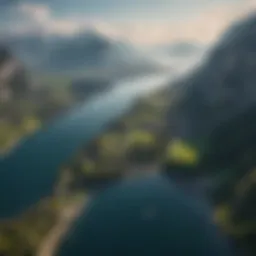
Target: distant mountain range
[
  {"x": 221, "y": 88},
  {"x": 180, "y": 56},
  {"x": 182, "y": 48},
  {"x": 89, "y": 51}
]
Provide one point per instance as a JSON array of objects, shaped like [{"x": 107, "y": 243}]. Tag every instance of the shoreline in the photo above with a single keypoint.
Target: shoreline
[{"x": 27, "y": 228}]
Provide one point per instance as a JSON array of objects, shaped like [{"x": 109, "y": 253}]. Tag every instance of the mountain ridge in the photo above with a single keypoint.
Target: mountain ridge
[{"x": 221, "y": 88}]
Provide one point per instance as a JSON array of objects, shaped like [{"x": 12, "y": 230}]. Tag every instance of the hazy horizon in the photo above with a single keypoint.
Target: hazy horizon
[{"x": 141, "y": 22}]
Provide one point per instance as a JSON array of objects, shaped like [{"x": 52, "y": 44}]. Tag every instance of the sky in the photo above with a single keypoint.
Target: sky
[{"x": 143, "y": 22}]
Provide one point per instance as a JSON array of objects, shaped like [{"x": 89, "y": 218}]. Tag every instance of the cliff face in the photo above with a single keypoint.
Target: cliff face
[
  {"x": 221, "y": 88},
  {"x": 4, "y": 56},
  {"x": 13, "y": 77}
]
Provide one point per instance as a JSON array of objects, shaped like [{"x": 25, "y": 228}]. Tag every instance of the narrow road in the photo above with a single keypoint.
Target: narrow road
[
  {"x": 52, "y": 240},
  {"x": 71, "y": 212}
]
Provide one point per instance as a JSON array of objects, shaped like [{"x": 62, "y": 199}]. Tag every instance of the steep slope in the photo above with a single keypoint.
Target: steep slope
[
  {"x": 221, "y": 88},
  {"x": 13, "y": 77}
]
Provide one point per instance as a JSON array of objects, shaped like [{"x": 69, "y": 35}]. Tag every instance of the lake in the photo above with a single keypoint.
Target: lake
[{"x": 30, "y": 170}]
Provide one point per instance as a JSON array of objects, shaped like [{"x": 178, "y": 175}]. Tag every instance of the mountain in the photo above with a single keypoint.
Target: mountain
[
  {"x": 89, "y": 52},
  {"x": 179, "y": 56},
  {"x": 30, "y": 49},
  {"x": 221, "y": 88},
  {"x": 85, "y": 50},
  {"x": 183, "y": 48}
]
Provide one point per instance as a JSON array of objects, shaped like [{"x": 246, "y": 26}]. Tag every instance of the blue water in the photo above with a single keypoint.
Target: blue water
[{"x": 29, "y": 171}]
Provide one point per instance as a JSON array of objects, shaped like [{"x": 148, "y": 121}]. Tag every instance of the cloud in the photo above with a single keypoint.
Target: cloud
[
  {"x": 39, "y": 17},
  {"x": 38, "y": 12},
  {"x": 204, "y": 26}
]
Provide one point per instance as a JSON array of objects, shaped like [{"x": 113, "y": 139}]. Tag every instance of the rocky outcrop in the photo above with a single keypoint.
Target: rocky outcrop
[{"x": 13, "y": 77}]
